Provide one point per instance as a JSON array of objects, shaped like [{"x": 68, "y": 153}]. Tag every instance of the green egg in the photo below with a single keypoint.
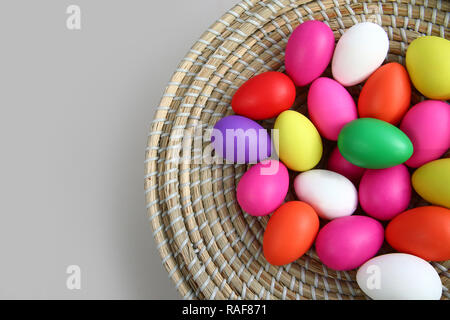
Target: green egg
[{"x": 374, "y": 144}]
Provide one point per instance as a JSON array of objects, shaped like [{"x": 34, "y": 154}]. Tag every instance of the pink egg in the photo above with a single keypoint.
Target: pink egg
[
  {"x": 308, "y": 51},
  {"x": 385, "y": 193},
  {"x": 346, "y": 243},
  {"x": 339, "y": 164},
  {"x": 330, "y": 107},
  {"x": 263, "y": 188},
  {"x": 427, "y": 124}
]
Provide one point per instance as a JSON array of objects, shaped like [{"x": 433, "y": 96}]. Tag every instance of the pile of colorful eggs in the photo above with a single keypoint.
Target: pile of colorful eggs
[{"x": 380, "y": 141}]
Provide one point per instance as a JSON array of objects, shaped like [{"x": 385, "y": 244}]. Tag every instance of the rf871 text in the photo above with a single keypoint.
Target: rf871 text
[{"x": 246, "y": 309}]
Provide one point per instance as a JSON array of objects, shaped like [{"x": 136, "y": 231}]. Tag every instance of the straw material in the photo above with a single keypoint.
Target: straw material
[{"x": 210, "y": 249}]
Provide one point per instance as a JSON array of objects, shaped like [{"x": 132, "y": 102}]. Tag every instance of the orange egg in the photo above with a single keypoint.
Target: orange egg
[
  {"x": 422, "y": 231},
  {"x": 386, "y": 95},
  {"x": 290, "y": 232}
]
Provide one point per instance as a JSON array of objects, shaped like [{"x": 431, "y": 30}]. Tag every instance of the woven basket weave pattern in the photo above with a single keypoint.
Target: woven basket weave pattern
[{"x": 209, "y": 247}]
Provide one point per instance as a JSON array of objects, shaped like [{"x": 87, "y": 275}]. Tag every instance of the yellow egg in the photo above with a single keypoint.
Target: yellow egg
[
  {"x": 432, "y": 182},
  {"x": 428, "y": 64},
  {"x": 299, "y": 144}
]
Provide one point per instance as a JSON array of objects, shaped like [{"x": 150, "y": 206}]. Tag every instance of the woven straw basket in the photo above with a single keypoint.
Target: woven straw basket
[{"x": 210, "y": 249}]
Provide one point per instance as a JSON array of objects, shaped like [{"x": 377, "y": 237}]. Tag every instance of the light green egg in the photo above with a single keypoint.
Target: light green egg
[
  {"x": 428, "y": 64},
  {"x": 432, "y": 182}
]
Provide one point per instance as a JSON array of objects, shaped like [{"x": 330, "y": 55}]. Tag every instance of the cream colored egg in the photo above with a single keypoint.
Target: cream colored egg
[
  {"x": 399, "y": 276},
  {"x": 359, "y": 52},
  {"x": 332, "y": 195}
]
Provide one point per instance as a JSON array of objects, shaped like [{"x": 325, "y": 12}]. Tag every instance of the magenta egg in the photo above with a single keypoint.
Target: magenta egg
[
  {"x": 309, "y": 51},
  {"x": 339, "y": 164},
  {"x": 263, "y": 188},
  {"x": 427, "y": 124},
  {"x": 385, "y": 193},
  {"x": 241, "y": 140},
  {"x": 330, "y": 107},
  {"x": 346, "y": 243}
]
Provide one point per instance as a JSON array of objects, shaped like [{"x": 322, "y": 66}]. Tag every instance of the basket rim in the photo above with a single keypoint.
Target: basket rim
[{"x": 193, "y": 279}]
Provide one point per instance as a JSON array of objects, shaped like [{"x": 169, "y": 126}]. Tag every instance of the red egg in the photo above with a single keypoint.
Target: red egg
[
  {"x": 386, "y": 95},
  {"x": 423, "y": 232},
  {"x": 290, "y": 232},
  {"x": 264, "y": 96}
]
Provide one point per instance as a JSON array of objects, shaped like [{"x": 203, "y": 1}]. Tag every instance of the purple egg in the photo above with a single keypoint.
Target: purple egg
[{"x": 241, "y": 140}]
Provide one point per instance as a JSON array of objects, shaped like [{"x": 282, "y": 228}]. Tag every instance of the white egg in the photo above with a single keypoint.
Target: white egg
[
  {"x": 332, "y": 195},
  {"x": 399, "y": 276},
  {"x": 359, "y": 52}
]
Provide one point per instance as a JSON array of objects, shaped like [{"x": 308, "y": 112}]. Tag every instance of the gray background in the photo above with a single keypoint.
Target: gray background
[{"x": 75, "y": 110}]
